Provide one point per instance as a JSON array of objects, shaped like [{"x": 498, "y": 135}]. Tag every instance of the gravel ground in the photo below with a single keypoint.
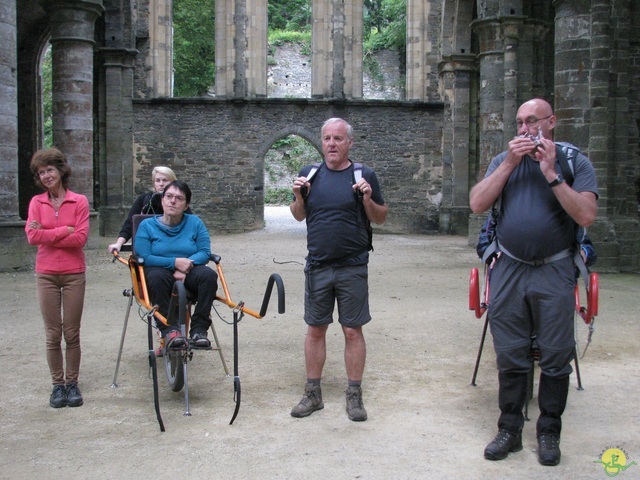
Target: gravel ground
[{"x": 425, "y": 420}]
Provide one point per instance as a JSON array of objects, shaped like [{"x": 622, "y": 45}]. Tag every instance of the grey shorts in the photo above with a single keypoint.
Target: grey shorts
[{"x": 325, "y": 285}]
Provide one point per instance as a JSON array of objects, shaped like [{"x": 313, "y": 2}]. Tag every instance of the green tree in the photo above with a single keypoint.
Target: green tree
[
  {"x": 193, "y": 47},
  {"x": 47, "y": 99},
  {"x": 282, "y": 163},
  {"x": 385, "y": 24},
  {"x": 289, "y": 15}
]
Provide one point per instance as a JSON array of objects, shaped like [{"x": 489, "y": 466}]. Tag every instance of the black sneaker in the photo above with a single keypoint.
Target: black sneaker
[
  {"x": 58, "y": 398},
  {"x": 200, "y": 340},
  {"x": 502, "y": 444},
  {"x": 74, "y": 397}
]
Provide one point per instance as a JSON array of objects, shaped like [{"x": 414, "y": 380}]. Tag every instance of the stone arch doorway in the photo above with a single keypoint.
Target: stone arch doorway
[{"x": 289, "y": 150}]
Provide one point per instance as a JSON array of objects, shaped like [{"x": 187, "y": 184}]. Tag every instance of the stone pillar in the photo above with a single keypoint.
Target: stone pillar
[
  {"x": 9, "y": 208},
  {"x": 321, "y": 47},
  {"x": 511, "y": 31},
  {"x": 336, "y": 49},
  {"x": 491, "y": 91},
  {"x": 495, "y": 111},
  {"x": 591, "y": 107},
  {"x": 353, "y": 49},
  {"x": 160, "y": 61},
  {"x": 417, "y": 21},
  {"x": 456, "y": 72},
  {"x": 256, "y": 54},
  {"x": 115, "y": 161},
  {"x": 225, "y": 52},
  {"x": 241, "y": 48},
  {"x": 72, "y": 43}
]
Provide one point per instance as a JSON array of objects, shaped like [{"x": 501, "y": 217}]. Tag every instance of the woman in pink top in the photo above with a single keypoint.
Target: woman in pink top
[{"x": 58, "y": 224}]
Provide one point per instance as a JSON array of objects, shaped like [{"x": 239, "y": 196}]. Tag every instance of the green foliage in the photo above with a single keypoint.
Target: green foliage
[
  {"x": 280, "y": 37},
  {"x": 193, "y": 47},
  {"x": 385, "y": 25},
  {"x": 289, "y": 15},
  {"x": 282, "y": 163},
  {"x": 278, "y": 196},
  {"x": 47, "y": 99}
]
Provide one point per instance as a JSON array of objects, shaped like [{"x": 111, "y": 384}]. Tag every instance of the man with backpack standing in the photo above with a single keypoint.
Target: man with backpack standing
[
  {"x": 338, "y": 199},
  {"x": 533, "y": 280}
]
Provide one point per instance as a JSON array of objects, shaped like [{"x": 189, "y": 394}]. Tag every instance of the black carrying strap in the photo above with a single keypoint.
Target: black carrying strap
[
  {"x": 237, "y": 388},
  {"x": 153, "y": 364}
]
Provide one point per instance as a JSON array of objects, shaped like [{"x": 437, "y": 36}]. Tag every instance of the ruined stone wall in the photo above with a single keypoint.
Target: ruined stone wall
[
  {"x": 289, "y": 74},
  {"x": 218, "y": 148}
]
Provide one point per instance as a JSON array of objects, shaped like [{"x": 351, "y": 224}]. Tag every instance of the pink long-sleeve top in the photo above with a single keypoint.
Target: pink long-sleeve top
[{"x": 59, "y": 252}]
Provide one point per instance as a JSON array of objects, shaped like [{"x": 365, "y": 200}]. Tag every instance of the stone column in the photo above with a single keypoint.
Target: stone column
[
  {"x": 353, "y": 48},
  {"x": 456, "y": 72},
  {"x": 592, "y": 98},
  {"x": 491, "y": 91},
  {"x": 336, "y": 49},
  {"x": 9, "y": 208},
  {"x": 511, "y": 32},
  {"x": 256, "y": 54},
  {"x": 115, "y": 161},
  {"x": 225, "y": 52},
  {"x": 417, "y": 21},
  {"x": 241, "y": 48},
  {"x": 160, "y": 61},
  {"x": 72, "y": 43},
  {"x": 321, "y": 47}
]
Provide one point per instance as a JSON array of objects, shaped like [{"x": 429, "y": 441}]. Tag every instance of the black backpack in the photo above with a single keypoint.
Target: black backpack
[{"x": 566, "y": 156}]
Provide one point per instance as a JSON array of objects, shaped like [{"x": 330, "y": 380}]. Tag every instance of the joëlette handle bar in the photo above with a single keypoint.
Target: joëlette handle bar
[
  {"x": 226, "y": 299},
  {"x": 139, "y": 287},
  {"x": 274, "y": 278}
]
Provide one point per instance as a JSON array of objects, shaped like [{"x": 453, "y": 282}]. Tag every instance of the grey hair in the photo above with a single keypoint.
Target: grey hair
[{"x": 338, "y": 120}]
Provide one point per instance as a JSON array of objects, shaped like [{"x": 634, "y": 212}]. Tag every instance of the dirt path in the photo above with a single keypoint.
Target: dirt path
[{"x": 425, "y": 420}]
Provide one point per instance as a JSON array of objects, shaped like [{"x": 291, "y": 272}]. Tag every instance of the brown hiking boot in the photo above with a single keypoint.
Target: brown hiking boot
[
  {"x": 311, "y": 401},
  {"x": 355, "y": 407}
]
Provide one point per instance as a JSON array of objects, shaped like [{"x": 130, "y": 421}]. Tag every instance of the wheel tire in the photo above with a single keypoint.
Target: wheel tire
[{"x": 174, "y": 365}]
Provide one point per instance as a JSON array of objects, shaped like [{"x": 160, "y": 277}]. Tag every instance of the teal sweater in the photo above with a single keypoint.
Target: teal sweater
[{"x": 159, "y": 245}]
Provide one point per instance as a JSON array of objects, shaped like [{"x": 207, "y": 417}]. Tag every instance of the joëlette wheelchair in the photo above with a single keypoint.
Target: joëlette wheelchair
[
  {"x": 480, "y": 303},
  {"x": 176, "y": 360}
]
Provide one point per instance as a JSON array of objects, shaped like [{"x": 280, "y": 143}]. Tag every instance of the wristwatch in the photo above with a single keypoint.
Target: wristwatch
[{"x": 556, "y": 181}]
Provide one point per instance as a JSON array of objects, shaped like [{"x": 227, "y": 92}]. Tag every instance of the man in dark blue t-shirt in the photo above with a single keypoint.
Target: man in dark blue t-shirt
[
  {"x": 338, "y": 208},
  {"x": 533, "y": 279}
]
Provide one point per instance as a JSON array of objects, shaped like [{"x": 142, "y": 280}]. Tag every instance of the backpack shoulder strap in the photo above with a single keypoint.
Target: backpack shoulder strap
[
  {"x": 357, "y": 176},
  {"x": 312, "y": 172},
  {"x": 566, "y": 154},
  {"x": 357, "y": 171}
]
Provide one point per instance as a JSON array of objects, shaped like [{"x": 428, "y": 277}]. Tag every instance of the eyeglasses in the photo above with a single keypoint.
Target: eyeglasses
[
  {"x": 47, "y": 171},
  {"x": 531, "y": 121},
  {"x": 177, "y": 198}
]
